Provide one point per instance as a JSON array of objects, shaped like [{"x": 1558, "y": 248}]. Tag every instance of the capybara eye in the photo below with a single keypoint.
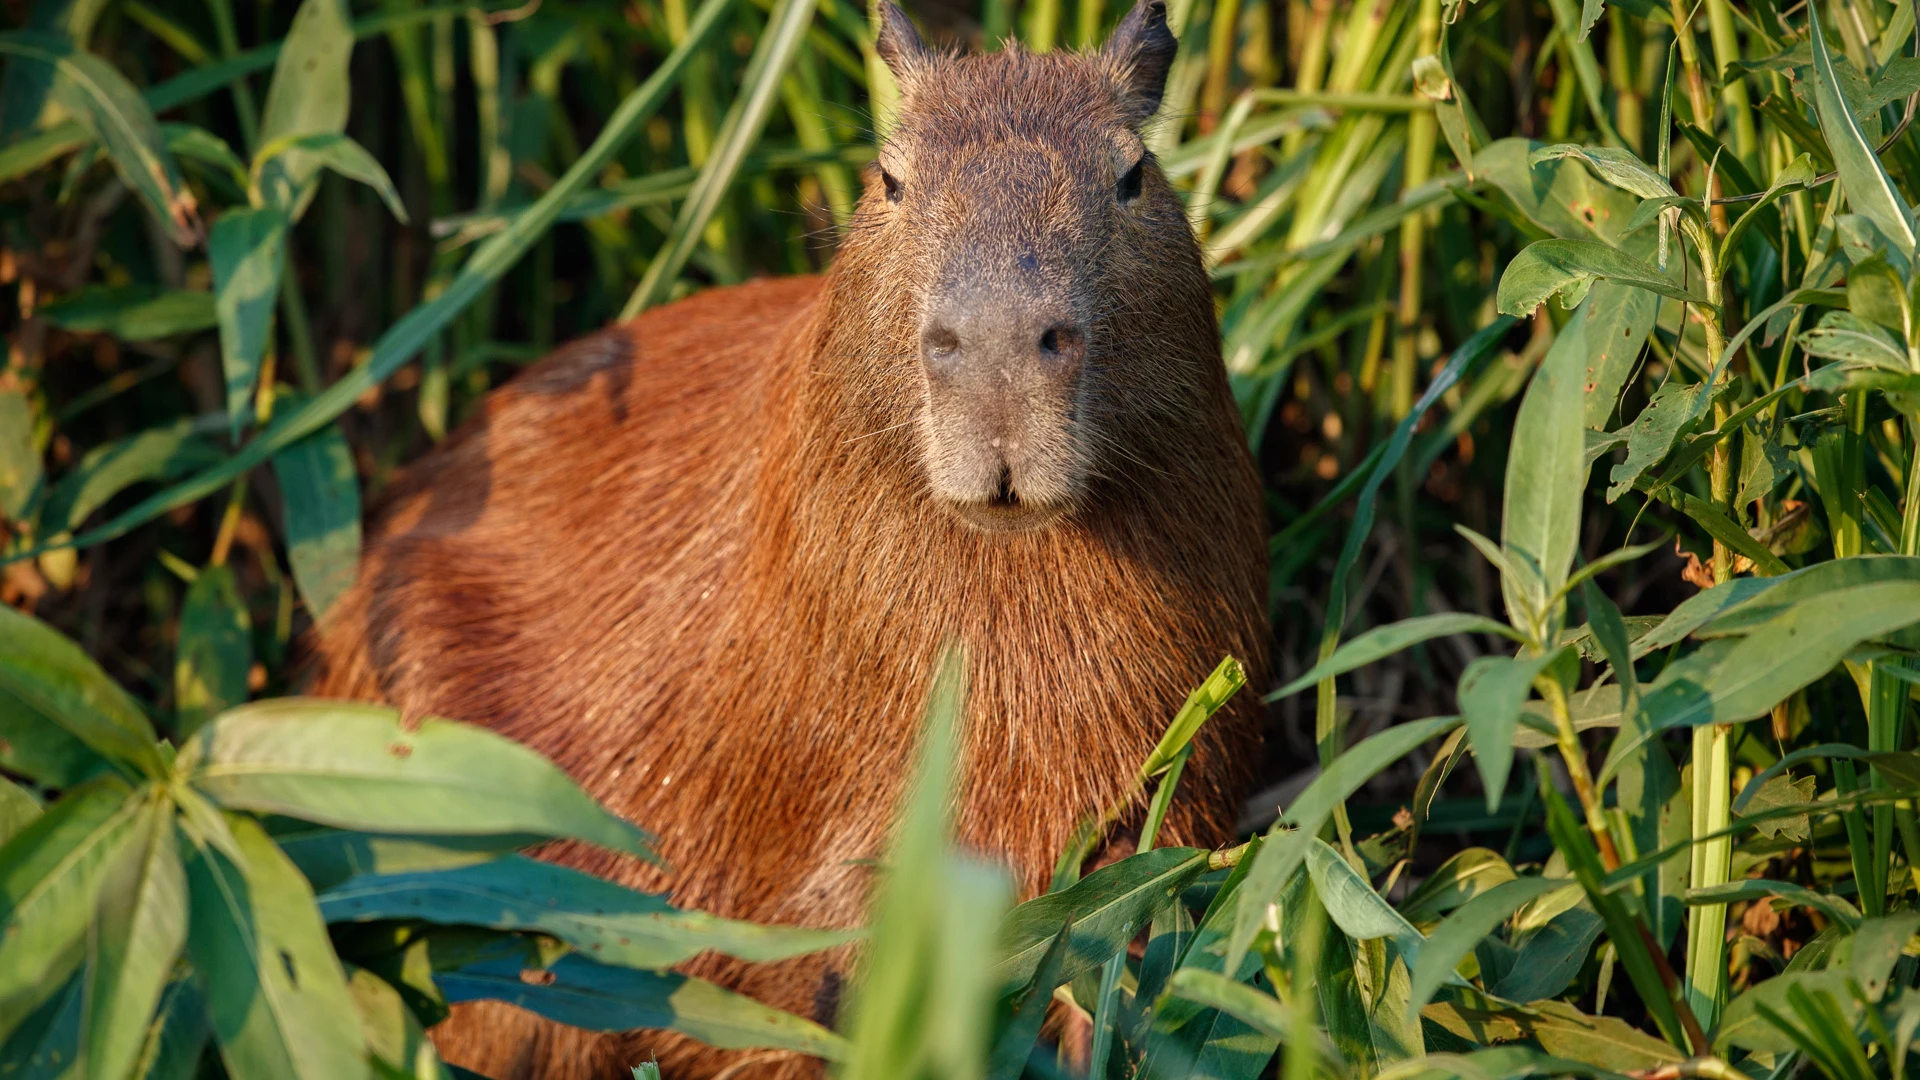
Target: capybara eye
[
  {"x": 893, "y": 185},
  {"x": 1130, "y": 183}
]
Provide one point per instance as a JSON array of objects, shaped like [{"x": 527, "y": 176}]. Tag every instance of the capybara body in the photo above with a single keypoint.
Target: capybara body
[{"x": 706, "y": 560}]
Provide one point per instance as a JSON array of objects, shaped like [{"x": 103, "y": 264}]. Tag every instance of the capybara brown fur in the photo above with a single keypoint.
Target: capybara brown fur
[{"x": 706, "y": 560}]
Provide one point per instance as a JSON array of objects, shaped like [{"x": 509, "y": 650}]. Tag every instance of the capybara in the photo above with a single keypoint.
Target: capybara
[{"x": 706, "y": 560}]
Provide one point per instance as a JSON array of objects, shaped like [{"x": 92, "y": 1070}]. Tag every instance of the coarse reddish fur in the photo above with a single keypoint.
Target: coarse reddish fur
[{"x": 694, "y": 559}]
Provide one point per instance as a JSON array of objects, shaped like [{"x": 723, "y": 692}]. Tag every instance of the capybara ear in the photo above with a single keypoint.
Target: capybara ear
[
  {"x": 1141, "y": 51},
  {"x": 899, "y": 43}
]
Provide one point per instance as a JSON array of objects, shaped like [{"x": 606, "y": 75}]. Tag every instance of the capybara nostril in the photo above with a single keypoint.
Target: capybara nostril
[{"x": 1063, "y": 344}]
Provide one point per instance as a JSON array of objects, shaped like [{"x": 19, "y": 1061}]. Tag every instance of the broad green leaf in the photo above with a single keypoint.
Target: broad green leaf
[
  {"x": 309, "y": 92},
  {"x": 1104, "y": 908},
  {"x": 1749, "y": 676},
  {"x": 602, "y": 920},
  {"x": 18, "y": 809},
  {"x": 104, "y": 102},
  {"x": 1865, "y": 959},
  {"x": 215, "y": 650},
  {"x": 1868, "y": 187},
  {"x": 1207, "y": 698},
  {"x": 1492, "y": 690},
  {"x": 42, "y": 751},
  {"x": 1779, "y": 791},
  {"x": 362, "y": 767},
  {"x": 1359, "y": 911},
  {"x": 320, "y": 496},
  {"x": 587, "y": 995},
  {"x": 399, "y": 1045},
  {"x": 20, "y": 469},
  {"x": 1546, "y": 475},
  {"x": 1614, "y": 322},
  {"x": 421, "y": 325},
  {"x": 1614, "y": 165},
  {"x": 1016, "y": 1041},
  {"x": 276, "y": 994},
  {"x": 327, "y": 856},
  {"x": 53, "y": 677},
  {"x": 1570, "y": 267},
  {"x": 1605, "y": 1045},
  {"x": 1384, "y": 641},
  {"x": 1875, "y": 292},
  {"x": 1464, "y": 876},
  {"x": 248, "y": 251},
  {"x": 1843, "y": 336},
  {"x": 138, "y": 933},
  {"x": 1798, "y": 174},
  {"x": 1833, "y": 907},
  {"x": 196, "y": 144},
  {"x": 1258, "y": 1009},
  {"x": 277, "y": 166},
  {"x": 1456, "y": 937},
  {"x": 51, "y": 874},
  {"x": 1561, "y": 198},
  {"x": 132, "y": 312},
  {"x": 46, "y": 1043},
  {"x": 1653, "y": 432},
  {"x": 1551, "y": 958},
  {"x": 1275, "y": 862},
  {"x": 159, "y": 453}
]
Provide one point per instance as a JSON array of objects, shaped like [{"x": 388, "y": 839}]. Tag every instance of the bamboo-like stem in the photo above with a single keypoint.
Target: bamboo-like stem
[
  {"x": 1421, "y": 132},
  {"x": 1568, "y": 742}
]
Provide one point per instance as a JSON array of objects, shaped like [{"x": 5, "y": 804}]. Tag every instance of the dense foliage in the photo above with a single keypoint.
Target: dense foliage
[{"x": 1690, "y": 254}]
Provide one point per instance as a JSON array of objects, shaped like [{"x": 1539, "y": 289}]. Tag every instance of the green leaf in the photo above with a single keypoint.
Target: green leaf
[
  {"x": 1207, "y": 698},
  {"x": 1551, "y": 958},
  {"x": 1843, "y": 336},
  {"x": 327, "y": 856},
  {"x": 112, "y": 467},
  {"x": 362, "y": 767},
  {"x": 138, "y": 933},
  {"x": 412, "y": 333},
  {"x": 1276, "y": 860},
  {"x": 18, "y": 809},
  {"x": 1653, "y": 433},
  {"x": 1866, "y": 959},
  {"x": 786, "y": 28},
  {"x": 132, "y": 312},
  {"x": 52, "y": 676},
  {"x": 1104, "y": 908},
  {"x": 248, "y": 251},
  {"x": 46, "y": 1044},
  {"x": 1614, "y": 323},
  {"x": 1492, "y": 690},
  {"x": 51, "y": 875},
  {"x": 1015, "y": 1044},
  {"x": 320, "y": 497},
  {"x": 399, "y": 1045},
  {"x": 103, "y": 101},
  {"x": 276, "y": 995},
  {"x": 276, "y": 166},
  {"x": 1464, "y": 876},
  {"x": 1778, "y": 791},
  {"x": 1359, "y": 911},
  {"x": 1759, "y": 889},
  {"x": 1261, "y": 1011},
  {"x": 20, "y": 469},
  {"x": 35, "y": 747},
  {"x": 1546, "y": 475},
  {"x": 1616, "y": 166},
  {"x": 190, "y": 143},
  {"x": 1384, "y": 641},
  {"x": 215, "y": 650},
  {"x": 1558, "y": 197},
  {"x": 1786, "y": 652},
  {"x": 309, "y": 92},
  {"x": 1868, "y": 187},
  {"x": 1605, "y": 1045},
  {"x": 1453, "y": 939},
  {"x": 1569, "y": 267},
  {"x": 602, "y": 920},
  {"x": 1798, "y": 174},
  {"x": 587, "y": 995}
]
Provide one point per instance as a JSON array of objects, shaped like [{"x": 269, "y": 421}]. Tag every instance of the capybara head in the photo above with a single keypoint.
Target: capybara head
[{"x": 1036, "y": 308}]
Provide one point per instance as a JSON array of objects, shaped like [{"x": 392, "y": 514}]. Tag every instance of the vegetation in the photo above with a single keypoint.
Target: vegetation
[{"x": 1690, "y": 255}]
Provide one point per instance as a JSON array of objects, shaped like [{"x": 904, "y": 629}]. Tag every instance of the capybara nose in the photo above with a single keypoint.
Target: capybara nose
[{"x": 1002, "y": 346}]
